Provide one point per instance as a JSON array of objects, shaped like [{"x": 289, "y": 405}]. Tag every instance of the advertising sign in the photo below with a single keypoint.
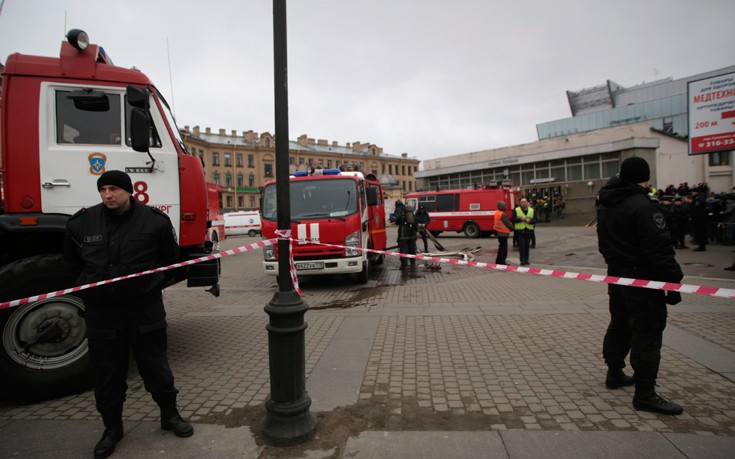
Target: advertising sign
[{"x": 712, "y": 114}]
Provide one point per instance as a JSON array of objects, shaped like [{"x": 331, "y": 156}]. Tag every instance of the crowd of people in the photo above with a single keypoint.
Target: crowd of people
[{"x": 708, "y": 217}]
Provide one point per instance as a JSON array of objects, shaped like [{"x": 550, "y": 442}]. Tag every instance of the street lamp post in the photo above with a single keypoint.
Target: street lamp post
[{"x": 288, "y": 419}]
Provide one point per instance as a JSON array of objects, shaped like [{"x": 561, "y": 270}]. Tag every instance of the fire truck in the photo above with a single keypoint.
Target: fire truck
[
  {"x": 65, "y": 121},
  {"x": 334, "y": 207},
  {"x": 216, "y": 231},
  {"x": 467, "y": 210}
]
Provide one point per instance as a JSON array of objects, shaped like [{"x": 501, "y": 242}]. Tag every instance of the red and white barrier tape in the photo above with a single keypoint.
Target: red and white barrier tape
[
  {"x": 243, "y": 249},
  {"x": 656, "y": 285},
  {"x": 286, "y": 234}
]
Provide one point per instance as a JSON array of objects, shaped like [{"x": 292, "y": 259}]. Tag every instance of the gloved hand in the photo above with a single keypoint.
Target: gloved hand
[{"x": 673, "y": 297}]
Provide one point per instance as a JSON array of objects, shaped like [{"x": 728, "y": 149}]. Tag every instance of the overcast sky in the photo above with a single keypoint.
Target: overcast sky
[{"x": 429, "y": 78}]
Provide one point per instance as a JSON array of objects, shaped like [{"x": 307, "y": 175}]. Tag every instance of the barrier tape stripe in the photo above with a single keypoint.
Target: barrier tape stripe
[
  {"x": 286, "y": 234},
  {"x": 235, "y": 251},
  {"x": 656, "y": 285}
]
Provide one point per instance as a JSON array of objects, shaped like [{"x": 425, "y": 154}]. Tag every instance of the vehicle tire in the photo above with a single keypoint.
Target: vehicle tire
[
  {"x": 33, "y": 371},
  {"x": 472, "y": 230},
  {"x": 435, "y": 233},
  {"x": 364, "y": 275},
  {"x": 252, "y": 233}
]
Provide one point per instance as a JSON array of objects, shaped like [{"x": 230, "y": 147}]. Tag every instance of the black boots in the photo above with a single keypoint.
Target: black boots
[
  {"x": 651, "y": 401},
  {"x": 171, "y": 420},
  {"x": 617, "y": 379},
  {"x": 106, "y": 446}
]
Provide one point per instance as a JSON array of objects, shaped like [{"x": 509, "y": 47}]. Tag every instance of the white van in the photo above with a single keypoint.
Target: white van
[{"x": 237, "y": 223}]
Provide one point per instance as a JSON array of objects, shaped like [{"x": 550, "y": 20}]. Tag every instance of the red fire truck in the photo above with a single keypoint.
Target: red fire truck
[
  {"x": 469, "y": 210},
  {"x": 216, "y": 231},
  {"x": 65, "y": 121},
  {"x": 333, "y": 207}
]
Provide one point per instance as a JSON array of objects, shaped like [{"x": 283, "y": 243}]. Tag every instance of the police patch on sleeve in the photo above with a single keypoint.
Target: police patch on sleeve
[{"x": 659, "y": 220}]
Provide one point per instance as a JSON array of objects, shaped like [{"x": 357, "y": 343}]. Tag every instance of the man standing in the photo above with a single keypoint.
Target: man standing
[
  {"x": 423, "y": 219},
  {"x": 698, "y": 212},
  {"x": 635, "y": 242},
  {"x": 503, "y": 226},
  {"x": 115, "y": 238},
  {"x": 407, "y": 233},
  {"x": 525, "y": 221}
]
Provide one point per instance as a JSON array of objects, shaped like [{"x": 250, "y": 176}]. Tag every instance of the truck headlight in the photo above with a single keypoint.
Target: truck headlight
[
  {"x": 353, "y": 240},
  {"x": 269, "y": 253}
]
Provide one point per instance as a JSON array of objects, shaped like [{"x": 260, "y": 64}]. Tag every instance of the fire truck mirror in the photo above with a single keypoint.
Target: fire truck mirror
[
  {"x": 372, "y": 196},
  {"x": 139, "y": 130},
  {"x": 137, "y": 97}
]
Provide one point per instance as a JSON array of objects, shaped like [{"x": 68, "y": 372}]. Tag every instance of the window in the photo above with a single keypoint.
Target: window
[
  {"x": 215, "y": 159},
  {"x": 239, "y": 181},
  {"x": 240, "y": 202},
  {"x": 84, "y": 119},
  {"x": 403, "y": 170},
  {"x": 269, "y": 170},
  {"x": 591, "y": 170},
  {"x": 720, "y": 158},
  {"x": 252, "y": 202},
  {"x": 291, "y": 160},
  {"x": 445, "y": 202},
  {"x": 229, "y": 202},
  {"x": 329, "y": 163},
  {"x": 390, "y": 169},
  {"x": 228, "y": 180},
  {"x": 216, "y": 178},
  {"x": 251, "y": 180},
  {"x": 251, "y": 161},
  {"x": 228, "y": 159},
  {"x": 610, "y": 168},
  {"x": 429, "y": 202},
  {"x": 239, "y": 159},
  {"x": 267, "y": 142}
]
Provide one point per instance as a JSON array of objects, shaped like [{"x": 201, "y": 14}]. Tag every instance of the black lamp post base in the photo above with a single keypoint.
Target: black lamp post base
[{"x": 288, "y": 424}]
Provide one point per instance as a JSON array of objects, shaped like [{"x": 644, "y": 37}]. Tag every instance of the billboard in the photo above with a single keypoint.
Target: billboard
[{"x": 711, "y": 114}]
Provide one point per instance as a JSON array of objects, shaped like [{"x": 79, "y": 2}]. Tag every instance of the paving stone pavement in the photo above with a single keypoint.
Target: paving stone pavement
[{"x": 463, "y": 348}]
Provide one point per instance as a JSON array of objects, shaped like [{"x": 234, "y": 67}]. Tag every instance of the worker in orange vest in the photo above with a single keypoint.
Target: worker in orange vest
[{"x": 502, "y": 227}]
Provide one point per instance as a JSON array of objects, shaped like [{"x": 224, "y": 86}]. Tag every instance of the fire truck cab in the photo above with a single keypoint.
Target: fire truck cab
[
  {"x": 329, "y": 207},
  {"x": 65, "y": 121},
  {"x": 465, "y": 210}
]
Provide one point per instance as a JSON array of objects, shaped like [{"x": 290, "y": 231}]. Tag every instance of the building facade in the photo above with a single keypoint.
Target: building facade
[
  {"x": 242, "y": 163},
  {"x": 574, "y": 157}
]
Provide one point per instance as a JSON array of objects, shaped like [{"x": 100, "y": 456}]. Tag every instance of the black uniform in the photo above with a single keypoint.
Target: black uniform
[
  {"x": 423, "y": 219},
  {"x": 636, "y": 243},
  {"x": 407, "y": 235},
  {"x": 127, "y": 315}
]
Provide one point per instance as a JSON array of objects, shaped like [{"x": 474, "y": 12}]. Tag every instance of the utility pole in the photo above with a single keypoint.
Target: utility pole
[{"x": 288, "y": 419}]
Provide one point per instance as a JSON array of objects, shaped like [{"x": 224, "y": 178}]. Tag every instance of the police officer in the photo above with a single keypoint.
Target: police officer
[
  {"x": 407, "y": 233},
  {"x": 524, "y": 220},
  {"x": 635, "y": 242},
  {"x": 118, "y": 237}
]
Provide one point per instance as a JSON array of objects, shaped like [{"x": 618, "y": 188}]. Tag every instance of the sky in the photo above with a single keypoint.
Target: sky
[{"x": 429, "y": 78}]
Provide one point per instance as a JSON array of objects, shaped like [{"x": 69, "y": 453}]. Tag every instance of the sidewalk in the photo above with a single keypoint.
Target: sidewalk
[{"x": 462, "y": 362}]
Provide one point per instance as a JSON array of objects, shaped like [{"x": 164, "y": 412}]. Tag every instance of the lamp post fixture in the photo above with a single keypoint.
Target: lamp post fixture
[{"x": 288, "y": 420}]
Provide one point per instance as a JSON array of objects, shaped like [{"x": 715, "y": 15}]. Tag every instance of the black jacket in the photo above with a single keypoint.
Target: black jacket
[
  {"x": 101, "y": 245},
  {"x": 633, "y": 236}
]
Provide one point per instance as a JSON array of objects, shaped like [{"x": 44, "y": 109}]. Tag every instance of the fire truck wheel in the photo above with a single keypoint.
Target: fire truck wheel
[
  {"x": 364, "y": 275},
  {"x": 252, "y": 233},
  {"x": 43, "y": 352},
  {"x": 471, "y": 230}
]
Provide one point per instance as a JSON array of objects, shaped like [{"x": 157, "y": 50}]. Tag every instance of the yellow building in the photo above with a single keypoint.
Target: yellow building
[{"x": 242, "y": 164}]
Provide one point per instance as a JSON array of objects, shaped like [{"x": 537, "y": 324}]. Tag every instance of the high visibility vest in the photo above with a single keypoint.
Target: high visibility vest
[
  {"x": 499, "y": 226},
  {"x": 519, "y": 214}
]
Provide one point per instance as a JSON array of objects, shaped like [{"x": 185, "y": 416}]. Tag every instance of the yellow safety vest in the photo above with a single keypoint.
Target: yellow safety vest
[{"x": 520, "y": 214}]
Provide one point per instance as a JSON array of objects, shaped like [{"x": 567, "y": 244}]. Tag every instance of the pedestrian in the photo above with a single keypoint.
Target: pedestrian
[
  {"x": 423, "y": 219},
  {"x": 524, "y": 221},
  {"x": 118, "y": 237},
  {"x": 698, "y": 218},
  {"x": 635, "y": 242},
  {"x": 407, "y": 233},
  {"x": 679, "y": 222},
  {"x": 503, "y": 226}
]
